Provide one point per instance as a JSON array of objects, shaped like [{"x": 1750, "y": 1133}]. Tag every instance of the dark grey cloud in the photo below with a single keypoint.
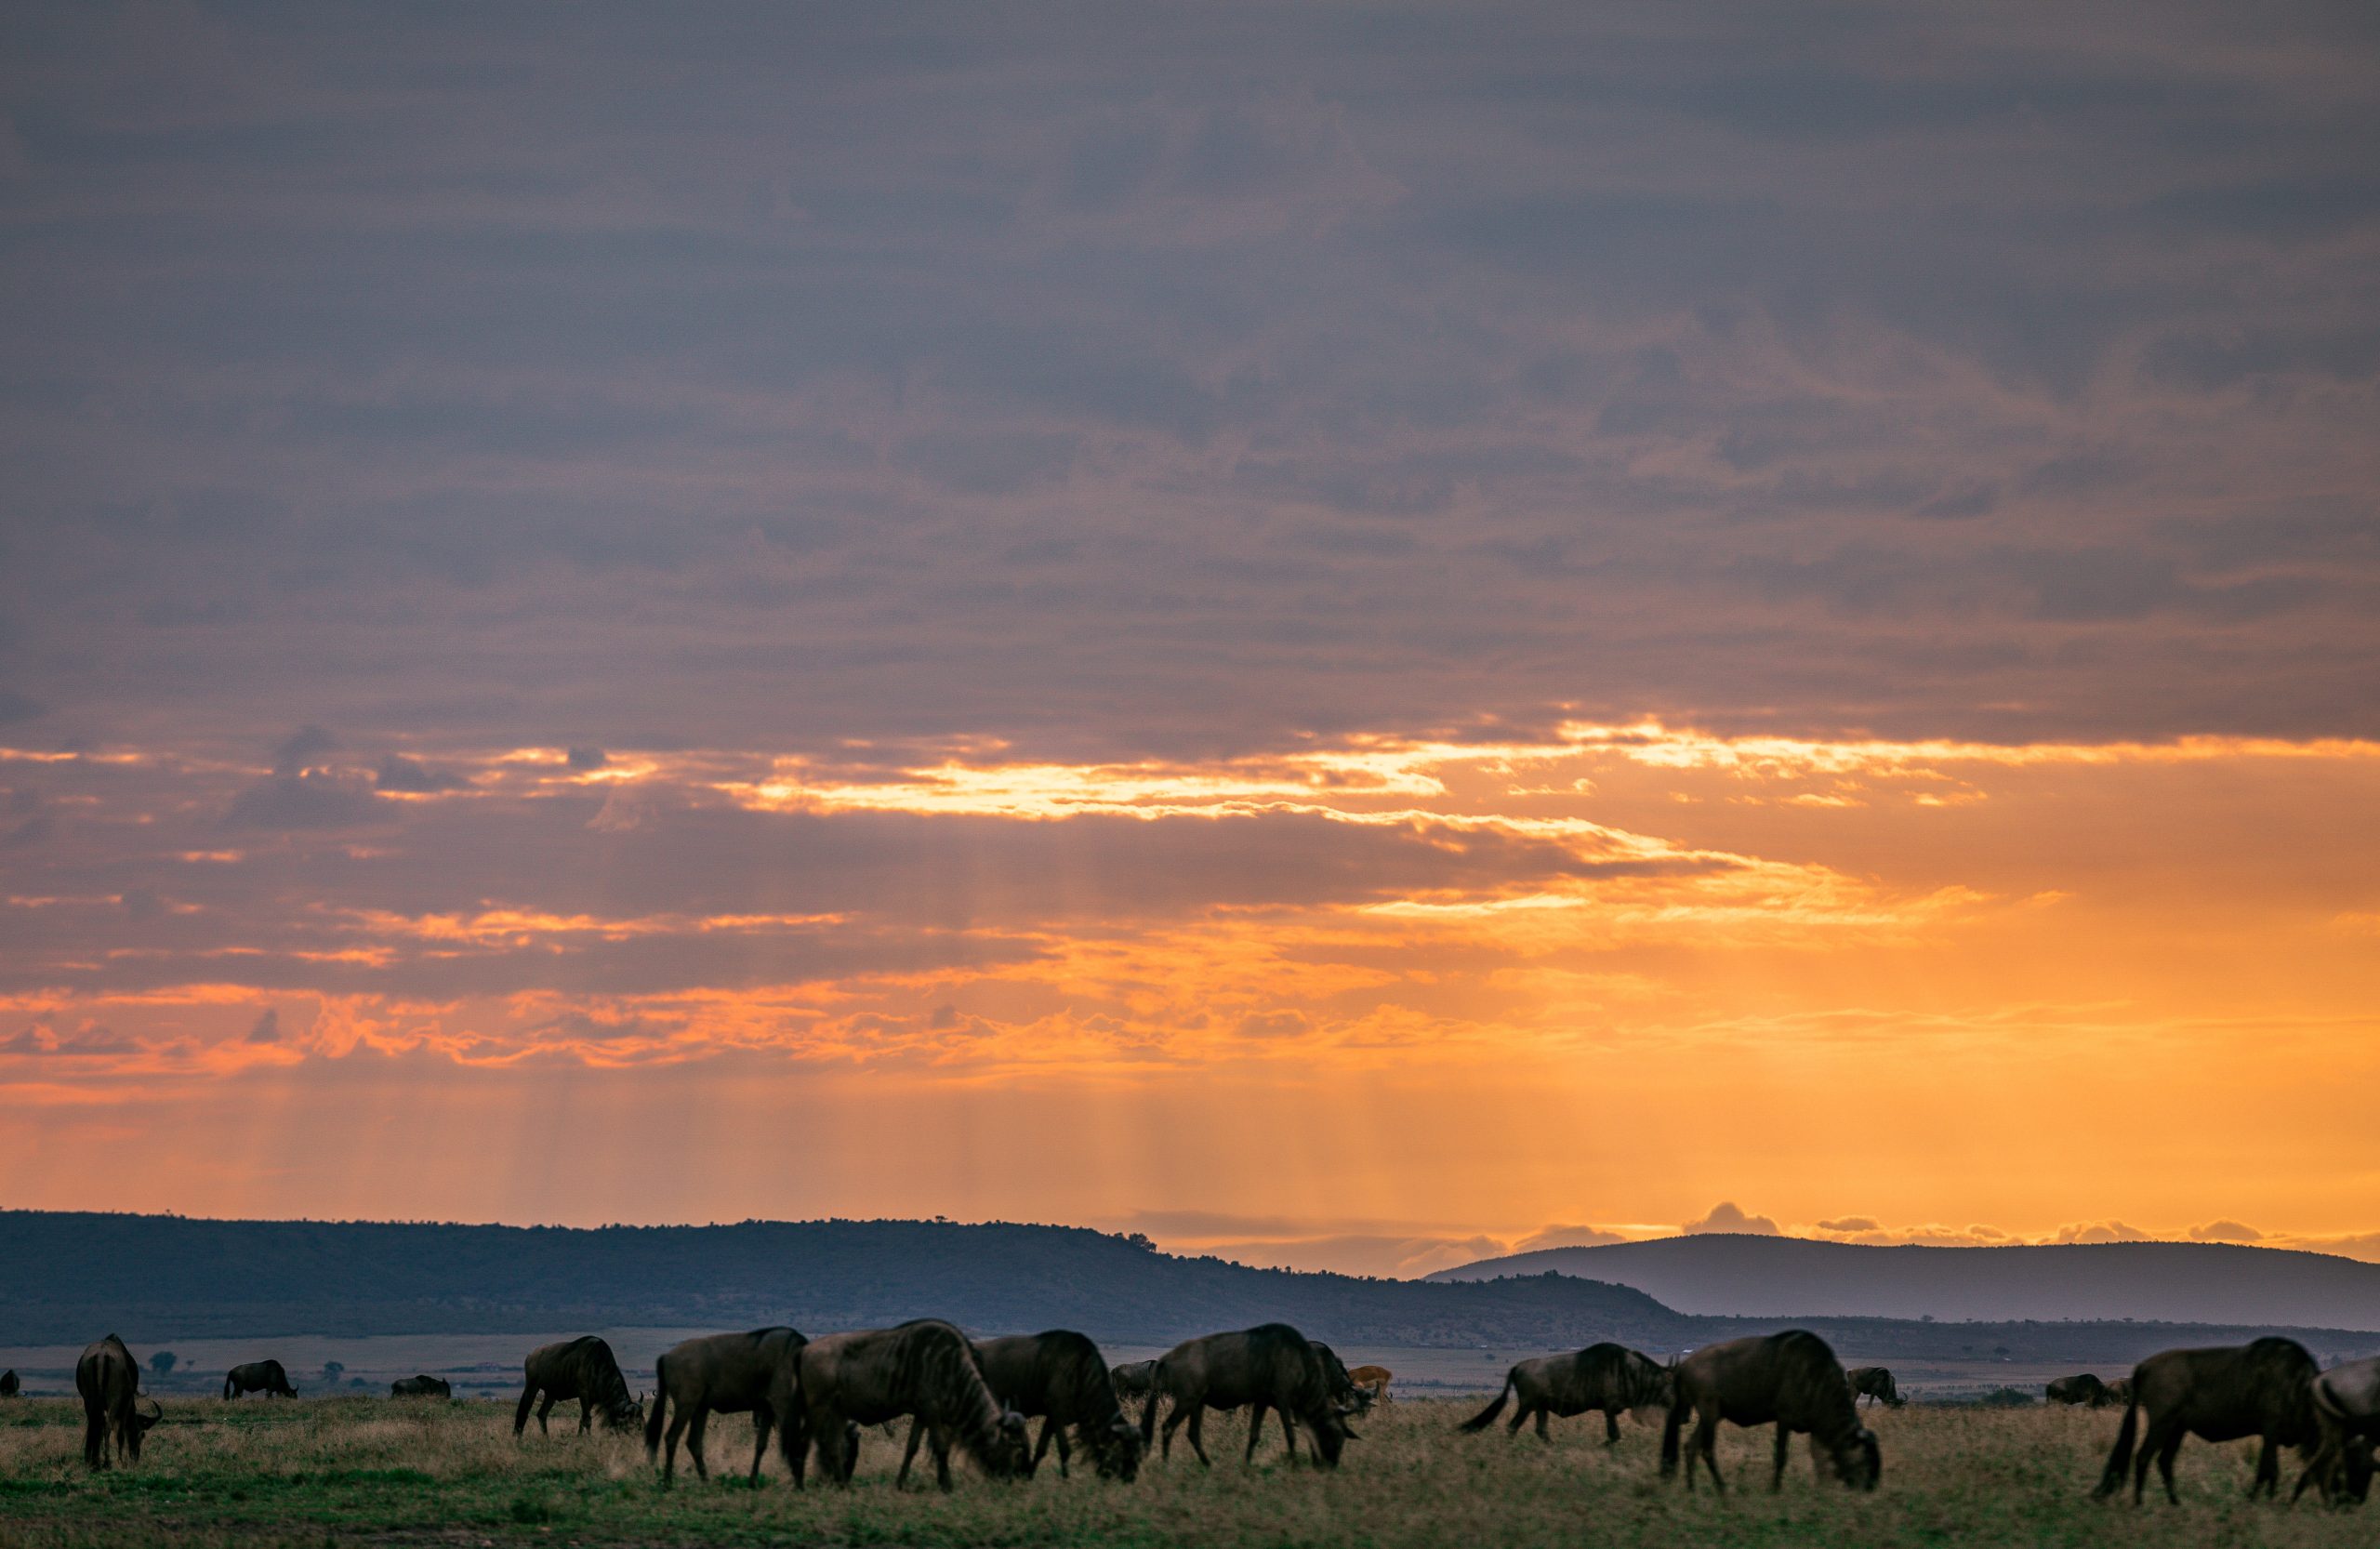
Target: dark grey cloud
[{"x": 398, "y": 773}]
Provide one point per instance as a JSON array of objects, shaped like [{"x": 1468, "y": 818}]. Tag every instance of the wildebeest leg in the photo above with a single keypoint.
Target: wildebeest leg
[
  {"x": 1288, "y": 1435},
  {"x": 1784, "y": 1445},
  {"x": 1255, "y": 1428},
  {"x": 586, "y": 1414},
  {"x": 1165, "y": 1448},
  {"x": 94, "y": 1441},
  {"x": 939, "y": 1439},
  {"x": 2268, "y": 1479},
  {"x": 694, "y": 1429},
  {"x": 677, "y": 1423},
  {"x": 909, "y": 1454},
  {"x": 520, "y": 1415},
  {"x": 1611, "y": 1427},
  {"x": 2163, "y": 1440},
  {"x": 1705, "y": 1445},
  {"x": 763, "y": 1418},
  {"x": 1198, "y": 1440},
  {"x": 1049, "y": 1432}
]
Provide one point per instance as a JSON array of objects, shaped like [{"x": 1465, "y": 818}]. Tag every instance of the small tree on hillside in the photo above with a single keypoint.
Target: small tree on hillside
[
  {"x": 163, "y": 1362},
  {"x": 331, "y": 1370}
]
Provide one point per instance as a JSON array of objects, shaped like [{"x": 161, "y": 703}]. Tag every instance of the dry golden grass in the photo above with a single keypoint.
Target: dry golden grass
[{"x": 371, "y": 1471}]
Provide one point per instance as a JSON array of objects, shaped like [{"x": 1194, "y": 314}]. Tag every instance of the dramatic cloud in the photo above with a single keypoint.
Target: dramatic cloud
[
  {"x": 2225, "y": 1231},
  {"x": 1726, "y": 1217}
]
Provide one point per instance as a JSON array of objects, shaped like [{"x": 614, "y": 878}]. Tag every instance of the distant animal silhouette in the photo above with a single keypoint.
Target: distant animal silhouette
[
  {"x": 924, "y": 1368},
  {"x": 583, "y": 1368},
  {"x": 731, "y": 1374},
  {"x": 1874, "y": 1382},
  {"x": 9, "y": 1383},
  {"x": 1791, "y": 1379},
  {"x": 1270, "y": 1365},
  {"x": 421, "y": 1387},
  {"x": 1605, "y": 1377},
  {"x": 2263, "y": 1389},
  {"x": 2080, "y": 1388},
  {"x": 109, "y": 1380},
  {"x": 265, "y": 1377}
]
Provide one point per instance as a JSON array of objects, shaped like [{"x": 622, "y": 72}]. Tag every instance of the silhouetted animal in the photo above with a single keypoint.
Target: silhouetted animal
[
  {"x": 2081, "y": 1388},
  {"x": 1373, "y": 1380},
  {"x": 1606, "y": 1377},
  {"x": 731, "y": 1373},
  {"x": 924, "y": 1368},
  {"x": 1345, "y": 1395},
  {"x": 2120, "y": 1391},
  {"x": 420, "y": 1387},
  {"x": 1271, "y": 1364},
  {"x": 581, "y": 1369},
  {"x": 2264, "y": 1389},
  {"x": 2347, "y": 1418},
  {"x": 109, "y": 1380},
  {"x": 1058, "y": 1375},
  {"x": 1131, "y": 1379},
  {"x": 9, "y": 1383},
  {"x": 265, "y": 1377},
  {"x": 1872, "y": 1382},
  {"x": 1791, "y": 1380}
]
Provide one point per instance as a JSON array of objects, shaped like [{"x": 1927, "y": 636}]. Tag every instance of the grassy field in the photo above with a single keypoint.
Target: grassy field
[{"x": 374, "y": 1472}]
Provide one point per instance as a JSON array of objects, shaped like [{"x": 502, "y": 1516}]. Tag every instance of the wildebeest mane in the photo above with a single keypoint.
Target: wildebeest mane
[{"x": 936, "y": 1368}]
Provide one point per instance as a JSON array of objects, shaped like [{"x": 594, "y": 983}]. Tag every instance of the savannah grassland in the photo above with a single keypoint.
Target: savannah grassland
[{"x": 358, "y": 1471}]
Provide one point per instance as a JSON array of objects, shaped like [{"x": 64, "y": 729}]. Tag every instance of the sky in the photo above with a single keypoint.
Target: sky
[{"x": 1354, "y": 635}]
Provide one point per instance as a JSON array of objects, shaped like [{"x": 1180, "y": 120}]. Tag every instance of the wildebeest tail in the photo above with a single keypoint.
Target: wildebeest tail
[
  {"x": 2119, "y": 1461},
  {"x": 226, "y": 1384},
  {"x": 660, "y": 1404},
  {"x": 1487, "y": 1417},
  {"x": 1154, "y": 1401}
]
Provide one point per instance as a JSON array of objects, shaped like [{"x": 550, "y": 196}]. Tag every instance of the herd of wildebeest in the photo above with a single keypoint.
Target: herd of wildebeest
[{"x": 816, "y": 1395}]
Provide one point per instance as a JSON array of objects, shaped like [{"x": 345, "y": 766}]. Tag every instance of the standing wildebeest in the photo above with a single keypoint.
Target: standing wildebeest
[
  {"x": 423, "y": 1386},
  {"x": 1792, "y": 1379},
  {"x": 1605, "y": 1377},
  {"x": 109, "y": 1380},
  {"x": 1059, "y": 1375},
  {"x": 1373, "y": 1380},
  {"x": 2346, "y": 1416},
  {"x": 1131, "y": 1379},
  {"x": 1271, "y": 1364},
  {"x": 9, "y": 1383},
  {"x": 2081, "y": 1388},
  {"x": 731, "y": 1373},
  {"x": 265, "y": 1377},
  {"x": 1874, "y": 1382},
  {"x": 581, "y": 1369},
  {"x": 924, "y": 1368},
  {"x": 2264, "y": 1389}
]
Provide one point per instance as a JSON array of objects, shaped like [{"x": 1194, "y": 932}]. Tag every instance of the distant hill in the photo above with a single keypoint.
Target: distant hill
[
  {"x": 68, "y": 1277},
  {"x": 1772, "y": 1276}
]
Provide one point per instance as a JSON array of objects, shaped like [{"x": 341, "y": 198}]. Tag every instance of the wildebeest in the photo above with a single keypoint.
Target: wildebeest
[
  {"x": 581, "y": 1369},
  {"x": 731, "y": 1373},
  {"x": 109, "y": 1380},
  {"x": 9, "y": 1383},
  {"x": 1606, "y": 1377},
  {"x": 924, "y": 1368},
  {"x": 265, "y": 1377},
  {"x": 1790, "y": 1379},
  {"x": 1345, "y": 1395},
  {"x": 2347, "y": 1418},
  {"x": 2080, "y": 1388},
  {"x": 1131, "y": 1379},
  {"x": 2264, "y": 1389},
  {"x": 1373, "y": 1380},
  {"x": 1269, "y": 1365},
  {"x": 423, "y": 1386},
  {"x": 2120, "y": 1391},
  {"x": 1872, "y": 1382},
  {"x": 1057, "y": 1375}
]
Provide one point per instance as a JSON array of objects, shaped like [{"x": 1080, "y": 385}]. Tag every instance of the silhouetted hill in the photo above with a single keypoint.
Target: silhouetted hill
[
  {"x": 2172, "y": 1282},
  {"x": 68, "y": 1277}
]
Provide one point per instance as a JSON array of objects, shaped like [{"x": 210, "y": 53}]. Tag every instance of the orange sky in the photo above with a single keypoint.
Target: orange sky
[{"x": 1452, "y": 995}]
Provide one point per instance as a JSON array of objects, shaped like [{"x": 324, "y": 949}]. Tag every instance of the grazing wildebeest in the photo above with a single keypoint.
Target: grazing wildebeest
[
  {"x": 924, "y": 1368},
  {"x": 1271, "y": 1364},
  {"x": 109, "y": 1380},
  {"x": 581, "y": 1369},
  {"x": 1373, "y": 1380},
  {"x": 731, "y": 1373},
  {"x": 2264, "y": 1389},
  {"x": 1872, "y": 1382},
  {"x": 1343, "y": 1394},
  {"x": 1606, "y": 1377},
  {"x": 1131, "y": 1379},
  {"x": 2346, "y": 1417},
  {"x": 265, "y": 1377},
  {"x": 1060, "y": 1376},
  {"x": 1791, "y": 1379},
  {"x": 2080, "y": 1388},
  {"x": 423, "y": 1386},
  {"x": 9, "y": 1383},
  {"x": 2120, "y": 1391}
]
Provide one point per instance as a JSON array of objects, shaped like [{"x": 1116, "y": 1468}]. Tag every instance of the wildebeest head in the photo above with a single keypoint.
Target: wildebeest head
[
  {"x": 1011, "y": 1452},
  {"x": 1115, "y": 1450},
  {"x": 625, "y": 1414},
  {"x": 140, "y": 1424},
  {"x": 1859, "y": 1461},
  {"x": 1332, "y": 1436}
]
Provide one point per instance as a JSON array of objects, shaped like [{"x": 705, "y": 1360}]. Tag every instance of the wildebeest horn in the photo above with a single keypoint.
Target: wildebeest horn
[{"x": 157, "y": 1413}]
